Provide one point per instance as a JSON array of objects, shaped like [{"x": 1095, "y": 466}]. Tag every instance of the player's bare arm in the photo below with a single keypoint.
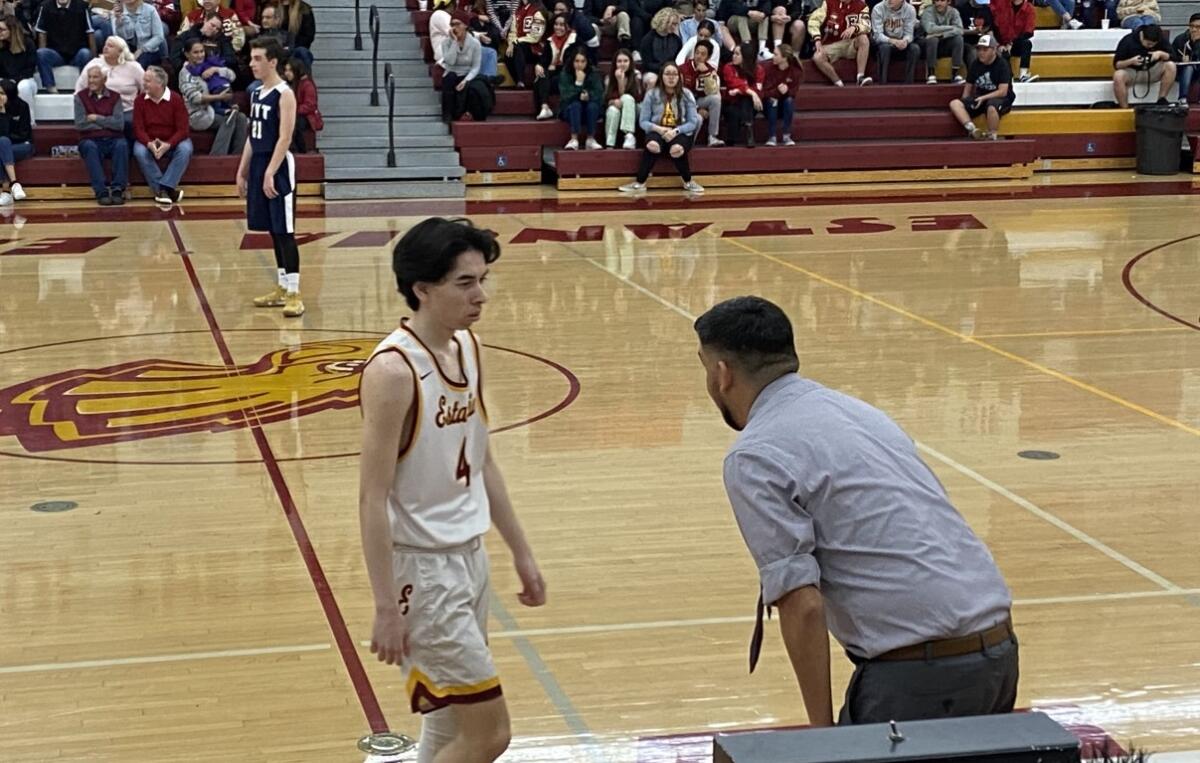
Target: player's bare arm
[
  {"x": 533, "y": 588},
  {"x": 244, "y": 169},
  {"x": 802, "y": 625},
  {"x": 287, "y": 123},
  {"x": 387, "y": 399}
]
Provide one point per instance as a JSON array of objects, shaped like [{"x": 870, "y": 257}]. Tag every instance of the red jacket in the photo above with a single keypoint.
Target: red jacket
[
  {"x": 166, "y": 120},
  {"x": 733, "y": 82},
  {"x": 1012, "y": 22},
  {"x": 691, "y": 79},
  {"x": 306, "y": 104},
  {"x": 775, "y": 77}
]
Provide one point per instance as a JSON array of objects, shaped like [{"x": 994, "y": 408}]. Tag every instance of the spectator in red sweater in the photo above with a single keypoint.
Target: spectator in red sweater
[
  {"x": 703, "y": 79},
  {"x": 780, "y": 84},
  {"x": 160, "y": 131},
  {"x": 1014, "y": 22},
  {"x": 742, "y": 80},
  {"x": 308, "y": 114},
  {"x": 841, "y": 29}
]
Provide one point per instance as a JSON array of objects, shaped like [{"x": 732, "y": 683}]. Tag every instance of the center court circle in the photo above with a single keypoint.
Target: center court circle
[{"x": 570, "y": 394}]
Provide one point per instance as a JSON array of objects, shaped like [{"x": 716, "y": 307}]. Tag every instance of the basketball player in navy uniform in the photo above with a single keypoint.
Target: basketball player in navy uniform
[
  {"x": 429, "y": 490},
  {"x": 266, "y": 176}
]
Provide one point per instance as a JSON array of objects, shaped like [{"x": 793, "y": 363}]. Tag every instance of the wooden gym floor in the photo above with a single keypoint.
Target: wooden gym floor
[{"x": 201, "y": 596}]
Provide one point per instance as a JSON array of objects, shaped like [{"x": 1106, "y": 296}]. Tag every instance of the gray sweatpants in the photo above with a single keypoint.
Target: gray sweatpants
[
  {"x": 711, "y": 104},
  {"x": 981, "y": 683}
]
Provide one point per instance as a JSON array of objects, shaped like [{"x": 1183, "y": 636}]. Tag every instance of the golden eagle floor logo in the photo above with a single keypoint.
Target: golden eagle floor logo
[{"x": 157, "y": 398}]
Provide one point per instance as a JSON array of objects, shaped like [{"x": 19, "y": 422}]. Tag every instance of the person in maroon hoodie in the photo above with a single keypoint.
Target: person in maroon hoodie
[
  {"x": 741, "y": 80},
  {"x": 308, "y": 114},
  {"x": 1014, "y": 22},
  {"x": 781, "y": 82}
]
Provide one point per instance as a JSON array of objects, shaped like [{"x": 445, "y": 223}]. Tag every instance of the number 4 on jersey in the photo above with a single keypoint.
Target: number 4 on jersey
[{"x": 464, "y": 467}]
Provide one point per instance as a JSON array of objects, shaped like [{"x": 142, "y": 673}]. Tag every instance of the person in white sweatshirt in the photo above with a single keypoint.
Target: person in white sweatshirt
[{"x": 893, "y": 26}]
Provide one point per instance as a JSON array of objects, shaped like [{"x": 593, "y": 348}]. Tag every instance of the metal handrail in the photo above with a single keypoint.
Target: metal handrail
[
  {"x": 357, "y": 26},
  {"x": 390, "y": 84},
  {"x": 373, "y": 23}
]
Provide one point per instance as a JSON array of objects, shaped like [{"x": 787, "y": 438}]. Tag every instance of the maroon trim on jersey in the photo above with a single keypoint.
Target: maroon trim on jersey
[
  {"x": 479, "y": 373},
  {"x": 459, "y": 385},
  {"x": 405, "y": 446}
]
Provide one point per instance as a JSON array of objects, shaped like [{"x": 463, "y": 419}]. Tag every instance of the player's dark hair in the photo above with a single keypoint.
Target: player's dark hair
[
  {"x": 753, "y": 332},
  {"x": 426, "y": 254},
  {"x": 272, "y": 51}
]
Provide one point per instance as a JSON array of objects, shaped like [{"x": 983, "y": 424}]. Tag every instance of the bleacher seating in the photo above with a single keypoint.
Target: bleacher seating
[{"x": 894, "y": 131}]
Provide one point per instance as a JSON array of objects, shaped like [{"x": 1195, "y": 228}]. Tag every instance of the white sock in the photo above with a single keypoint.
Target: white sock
[
  {"x": 437, "y": 730},
  {"x": 1024, "y": 72},
  {"x": 282, "y": 274},
  {"x": 293, "y": 283}
]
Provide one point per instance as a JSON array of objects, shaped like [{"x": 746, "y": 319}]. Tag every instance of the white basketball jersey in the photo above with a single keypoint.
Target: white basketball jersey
[{"x": 438, "y": 497}]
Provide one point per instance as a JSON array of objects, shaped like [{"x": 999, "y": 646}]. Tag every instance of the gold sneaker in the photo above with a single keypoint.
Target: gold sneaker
[
  {"x": 276, "y": 298},
  {"x": 293, "y": 307}
]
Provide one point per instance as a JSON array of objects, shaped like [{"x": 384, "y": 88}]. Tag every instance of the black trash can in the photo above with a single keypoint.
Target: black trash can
[{"x": 1159, "y": 138}]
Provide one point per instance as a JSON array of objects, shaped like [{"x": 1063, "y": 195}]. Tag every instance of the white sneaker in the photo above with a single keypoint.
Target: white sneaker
[
  {"x": 1075, "y": 24},
  {"x": 715, "y": 142},
  {"x": 634, "y": 187},
  {"x": 572, "y": 144},
  {"x": 692, "y": 186},
  {"x": 630, "y": 142},
  {"x": 931, "y": 80},
  {"x": 592, "y": 145},
  {"x": 6, "y": 199},
  {"x": 771, "y": 141},
  {"x": 1028, "y": 78},
  {"x": 864, "y": 80},
  {"x": 545, "y": 113},
  {"x": 958, "y": 80},
  {"x": 18, "y": 193}
]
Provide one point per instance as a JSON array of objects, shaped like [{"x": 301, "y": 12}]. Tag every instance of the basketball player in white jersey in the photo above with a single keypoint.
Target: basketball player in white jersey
[{"x": 429, "y": 490}]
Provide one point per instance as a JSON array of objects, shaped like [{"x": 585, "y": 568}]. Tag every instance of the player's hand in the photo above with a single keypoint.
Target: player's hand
[
  {"x": 533, "y": 588},
  {"x": 269, "y": 187},
  {"x": 389, "y": 637},
  {"x": 241, "y": 185}
]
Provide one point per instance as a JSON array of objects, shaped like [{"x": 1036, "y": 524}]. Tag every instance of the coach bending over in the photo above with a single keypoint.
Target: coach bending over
[{"x": 851, "y": 531}]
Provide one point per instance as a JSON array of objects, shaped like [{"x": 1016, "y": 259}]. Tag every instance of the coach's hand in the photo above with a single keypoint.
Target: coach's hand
[
  {"x": 389, "y": 637},
  {"x": 533, "y": 588},
  {"x": 269, "y": 187}
]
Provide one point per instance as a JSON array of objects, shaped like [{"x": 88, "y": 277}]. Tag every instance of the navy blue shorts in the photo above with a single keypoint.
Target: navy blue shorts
[{"x": 277, "y": 215}]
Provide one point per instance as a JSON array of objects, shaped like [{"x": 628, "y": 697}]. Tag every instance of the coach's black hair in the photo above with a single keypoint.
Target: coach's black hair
[
  {"x": 428, "y": 251},
  {"x": 752, "y": 331},
  {"x": 272, "y": 50}
]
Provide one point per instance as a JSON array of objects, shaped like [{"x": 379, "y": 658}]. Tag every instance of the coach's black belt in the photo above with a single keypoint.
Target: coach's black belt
[{"x": 929, "y": 650}]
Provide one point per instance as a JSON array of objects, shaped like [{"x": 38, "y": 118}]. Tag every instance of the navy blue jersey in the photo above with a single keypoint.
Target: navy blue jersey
[{"x": 264, "y": 118}]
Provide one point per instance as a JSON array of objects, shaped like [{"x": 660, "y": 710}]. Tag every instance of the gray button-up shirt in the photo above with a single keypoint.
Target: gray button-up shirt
[{"x": 829, "y": 491}]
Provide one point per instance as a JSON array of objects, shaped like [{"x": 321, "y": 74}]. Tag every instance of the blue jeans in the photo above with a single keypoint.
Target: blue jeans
[
  {"x": 150, "y": 58},
  {"x": 48, "y": 58},
  {"x": 103, "y": 29},
  {"x": 1062, "y": 7},
  {"x": 582, "y": 117},
  {"x": 1135, "y": 21},
  {"x": 11, "y": 153},
  {"x": 178, "y": 158},
  {"x": 488, "y": 62},
  {"x": 1184, "y": 76},
  {"x": 94, "y": 151},
  {"x": 781, "y": 109}
]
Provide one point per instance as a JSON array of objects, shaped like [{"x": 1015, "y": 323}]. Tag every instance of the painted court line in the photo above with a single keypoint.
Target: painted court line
[
  {"x": 995, "y": 487},
  {"x": 1084, "y": 386},
  {"x": 512, "y": 632},
  {"x": 160, "y": 658}
]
